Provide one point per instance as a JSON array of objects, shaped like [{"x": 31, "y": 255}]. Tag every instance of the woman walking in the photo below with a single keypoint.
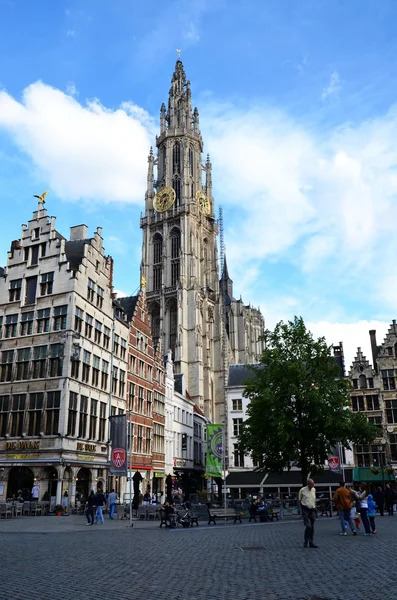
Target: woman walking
[{"x": 362, "y": 496}]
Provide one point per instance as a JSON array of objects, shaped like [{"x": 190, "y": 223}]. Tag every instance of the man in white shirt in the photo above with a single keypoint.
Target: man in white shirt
[
  {"x": 35, "y": 492},
  {"x": 307, "y": 499}
]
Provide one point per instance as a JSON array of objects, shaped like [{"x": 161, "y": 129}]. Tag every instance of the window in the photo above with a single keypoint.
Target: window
[
  {"x": 175, "y": 253},
  {"x": 391, "y": 411},
  {"x": 26, "y": 254},
  {"x": 39, "y": 362},
  {"x": 157, "y": 261},
  {"x": 388, "y": 379},
  {"x": 123, "y": 348},
  {"x": 4, "y": 410},
  {"x": 93, "y": 419},
  {"x": 56, "y": 360},
  {"x": 173, "y": 317},
  {"x": 141, "y": 399},
  {"x": 105, "y": 374},
  {"x": 355, "y": 384},
  {"x": 27, "y": 323},
  {"x": 362, "y": 382},
  {"x": 377, "y": 421},
  {"x": 72, "y": 414},
  {"x": 43, "y": 250},
  {"x": 17, "y": 413},
  {"x": 106, "y": 337},
  {"x": 43, "y": 320},
  {"x": 52, "y": 413},
  {"x": 191, "y": 161},
  {"x": 1, "y": 327},
  {"x": 370, "y": 381},
  {"x": 116, "y": 343},
  {"x": 97, "y": 332},
  {"x": 34, "y": 257},
  {"x": 11, "y": 326},
  {"x": 363, "y": 456},
  {"x": 139, "y": 439},
  {"x": 36, "y": 233},
  {"x": 158, "y": 438},
  {"x": 83, "y": 416},
  {"x": 75, "y": 360},
  {"x": 392, "y": 441},
  {"x": 131, "y": 396},
  {"x": 35, "y": 412},
  {"x": 141, "y": 368},
  {"x": 60, "y": 317},
  {"x": 358, "y": 403},
  {"x": 237, "y": 423},
  {"x": 7, "y": 357},
  {"x": 91, "y": 290},
  {"x": 86, "y": 365},
  {"x": 23, "y": 358},
  {"x": 159, "y": 403},
  {"x": 390, "y": 351},
  {"x": 148, "y": 440},
  {"x": 95, "y": 370},
  {"x": 14, "y": 292},
  {"x": 237, "y": 404},
  {"x": 99, "y": 297},
  {"x": 238, "y": 456},
  {"x": 149, "y": 403},
  {"x": 78, "y": 320},
  {"x": 372, "y": 402},
  {"x": 155, "y": 323},
  {"x": 46, "y": 284},
  {"x": 102, "y": 422},
  {"x": 30, "y": 290},
  {"x": 115, "y": 378},
  {"x": 176, "y": 158},
  {"x": 122, "y": 384},
  {"x": 88, "y": 325}
]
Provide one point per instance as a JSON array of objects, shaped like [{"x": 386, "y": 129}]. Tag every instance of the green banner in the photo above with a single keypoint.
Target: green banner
[{"x": 214, "y": 460}]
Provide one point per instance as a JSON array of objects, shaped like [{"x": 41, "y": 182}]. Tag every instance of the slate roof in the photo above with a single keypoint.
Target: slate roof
[
  {"x": 75, "y": 252},
  {"x": 128, "y": 304},
  {"x": 239, "y": 374}
]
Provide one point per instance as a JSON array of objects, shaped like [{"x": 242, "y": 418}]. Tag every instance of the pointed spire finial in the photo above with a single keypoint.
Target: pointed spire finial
[{"x": 179, "y": 53}]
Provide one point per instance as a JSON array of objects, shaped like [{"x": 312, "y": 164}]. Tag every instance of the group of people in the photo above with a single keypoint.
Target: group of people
[
  {"x": 98, "y": 501},
  {"x": 354, "y": 505}
]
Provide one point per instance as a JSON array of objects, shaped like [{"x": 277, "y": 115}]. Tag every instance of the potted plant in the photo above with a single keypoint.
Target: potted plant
[
  {"x": 58, "y": 510},
  {"x": 389, "y": 470},
  {"x": 375, "y": 471}
]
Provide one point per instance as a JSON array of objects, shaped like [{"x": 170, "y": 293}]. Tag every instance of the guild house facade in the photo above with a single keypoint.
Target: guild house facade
[{"x": 63, "y": 362}]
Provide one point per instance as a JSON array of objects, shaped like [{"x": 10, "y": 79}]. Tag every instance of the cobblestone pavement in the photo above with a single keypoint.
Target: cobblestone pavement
[{"x": 62, "y": 558}]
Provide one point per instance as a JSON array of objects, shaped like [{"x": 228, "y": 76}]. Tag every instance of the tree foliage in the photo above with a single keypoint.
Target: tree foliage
[{"x": 299, "y": 405}]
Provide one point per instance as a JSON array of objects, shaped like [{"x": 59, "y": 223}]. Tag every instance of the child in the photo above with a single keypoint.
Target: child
[
  {"x": 356, "y": 517},
  {"x": 371, "y": 512}
]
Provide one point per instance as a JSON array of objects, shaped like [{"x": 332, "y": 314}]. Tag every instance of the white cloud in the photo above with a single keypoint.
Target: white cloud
[
  {"x": 333, "y": 88},
  {"x": 83, "y": 151},
  {"x": 71, "y": 89}
]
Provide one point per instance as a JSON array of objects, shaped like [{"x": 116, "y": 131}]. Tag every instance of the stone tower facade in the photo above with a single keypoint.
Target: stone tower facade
[{"x": 180, "y": 259}]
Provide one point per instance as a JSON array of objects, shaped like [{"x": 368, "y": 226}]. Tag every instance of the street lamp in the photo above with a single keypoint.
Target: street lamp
[{"x": 383, "y": 442}]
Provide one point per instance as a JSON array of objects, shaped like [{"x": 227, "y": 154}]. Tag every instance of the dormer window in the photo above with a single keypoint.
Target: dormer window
[{"x": 36, "y": 233}]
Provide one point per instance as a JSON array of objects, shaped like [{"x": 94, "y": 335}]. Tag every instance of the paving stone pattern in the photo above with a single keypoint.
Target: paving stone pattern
[{"x": 62, "y": 559}]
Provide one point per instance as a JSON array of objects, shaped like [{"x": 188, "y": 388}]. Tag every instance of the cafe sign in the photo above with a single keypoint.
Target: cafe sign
[{"x": 23, "y": 445}]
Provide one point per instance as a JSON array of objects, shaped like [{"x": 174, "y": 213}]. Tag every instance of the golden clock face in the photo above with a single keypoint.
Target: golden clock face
[
  {"x": 164, "y": 199},
  {"x": 203, "y": 203}
]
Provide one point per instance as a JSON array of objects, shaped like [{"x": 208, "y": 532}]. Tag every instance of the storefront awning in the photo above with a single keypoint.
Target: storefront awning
[{"x": 250, "y": 479}]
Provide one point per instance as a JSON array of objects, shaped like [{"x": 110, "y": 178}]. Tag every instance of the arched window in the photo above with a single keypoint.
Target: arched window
[
  {"x": 155, "y": 323},
  {"x": 363, "y": 382},
  {"x": 163, "y": 155},
  {"x": 157, "y": 261},
  {"x": 191, "y": 161},
  {"x": 176, "y": 158},
  {"x": 176, "y": 184},
  {"x": 173, "y": 325},
  {"x": 175, "y": 254}
]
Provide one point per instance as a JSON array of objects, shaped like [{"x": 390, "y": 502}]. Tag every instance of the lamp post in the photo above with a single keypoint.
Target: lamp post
[{"x": 381, "y": 459}]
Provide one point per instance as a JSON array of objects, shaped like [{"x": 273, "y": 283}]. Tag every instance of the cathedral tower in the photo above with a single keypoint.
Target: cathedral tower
[{"x": 179, "y": 255}]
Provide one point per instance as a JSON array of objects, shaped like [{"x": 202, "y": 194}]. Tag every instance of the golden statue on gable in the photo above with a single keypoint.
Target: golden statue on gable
[{"x": 41, "y": 198}]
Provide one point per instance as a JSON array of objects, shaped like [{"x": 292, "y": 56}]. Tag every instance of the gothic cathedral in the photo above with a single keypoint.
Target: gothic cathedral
[{"x": 180, "y": 260}]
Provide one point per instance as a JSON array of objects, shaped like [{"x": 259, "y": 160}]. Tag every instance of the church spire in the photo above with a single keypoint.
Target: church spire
[{"x": 226, "y": 284}]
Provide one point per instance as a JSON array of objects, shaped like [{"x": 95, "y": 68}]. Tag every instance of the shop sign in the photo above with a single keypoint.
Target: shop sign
[
  {"x": 179, "y": 462},
  {"x": 23, "y": 445},
  {"x": 158, "y": 475},
  {"x": 20, "y": 457},
  {"x": 85, "y": 457},
  {"x": 86, "y": 447}
]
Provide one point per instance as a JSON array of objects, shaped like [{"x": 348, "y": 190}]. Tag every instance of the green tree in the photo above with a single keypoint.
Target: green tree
[{"x": 299, "y": 405}]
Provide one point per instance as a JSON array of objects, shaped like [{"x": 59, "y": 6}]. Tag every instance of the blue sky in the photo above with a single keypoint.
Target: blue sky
[{"x": 297, "y": 109}]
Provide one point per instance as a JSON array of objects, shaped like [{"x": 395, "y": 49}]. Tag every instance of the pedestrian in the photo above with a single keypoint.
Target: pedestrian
[
  {"x": 343, "y": 504},
  {"x": 100, "y": 502},
  {"x": 307, "y": 499},
  {"x": 389, "y": 499},
  {"x": 35, "y": 492},
  {"x": 380, "y": 500},
  {"x": 362, "y": 496},
  {"x": 89, "y": 513},
  {"x": 356, "y": 517},
  {"x": 371, "y": 512},
  {"x": 112, "y": 499}
]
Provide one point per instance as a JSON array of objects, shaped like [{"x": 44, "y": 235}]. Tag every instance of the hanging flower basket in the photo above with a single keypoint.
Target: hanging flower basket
[
  {"x": 375, "y": 471},
  {"x": 389, "y": 470}
]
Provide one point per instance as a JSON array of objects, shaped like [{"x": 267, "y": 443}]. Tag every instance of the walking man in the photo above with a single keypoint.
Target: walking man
[
  {"x": 100, "y": 502},
  {"x": 389, "y": 500},
  {"x": 307, "y": 499},
  {"x": 112, "y": 499},
  {"x": 89, "y": 513},
  {"x": 343, "y": 505}
]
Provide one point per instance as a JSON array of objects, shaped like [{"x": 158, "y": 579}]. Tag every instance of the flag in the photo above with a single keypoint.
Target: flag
[
  {"x": 118, "y": 438},
  {"x": 214, "y": 459},
  {"x": 334, "y": 461}
]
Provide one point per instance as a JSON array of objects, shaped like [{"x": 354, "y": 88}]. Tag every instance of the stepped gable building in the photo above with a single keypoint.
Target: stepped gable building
[
  {"x": 374, "y": 394},
  {"x": 59, "y": 337},
  {"x": 180, "y": 257},
  {"x": 145, "y": 396}
]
